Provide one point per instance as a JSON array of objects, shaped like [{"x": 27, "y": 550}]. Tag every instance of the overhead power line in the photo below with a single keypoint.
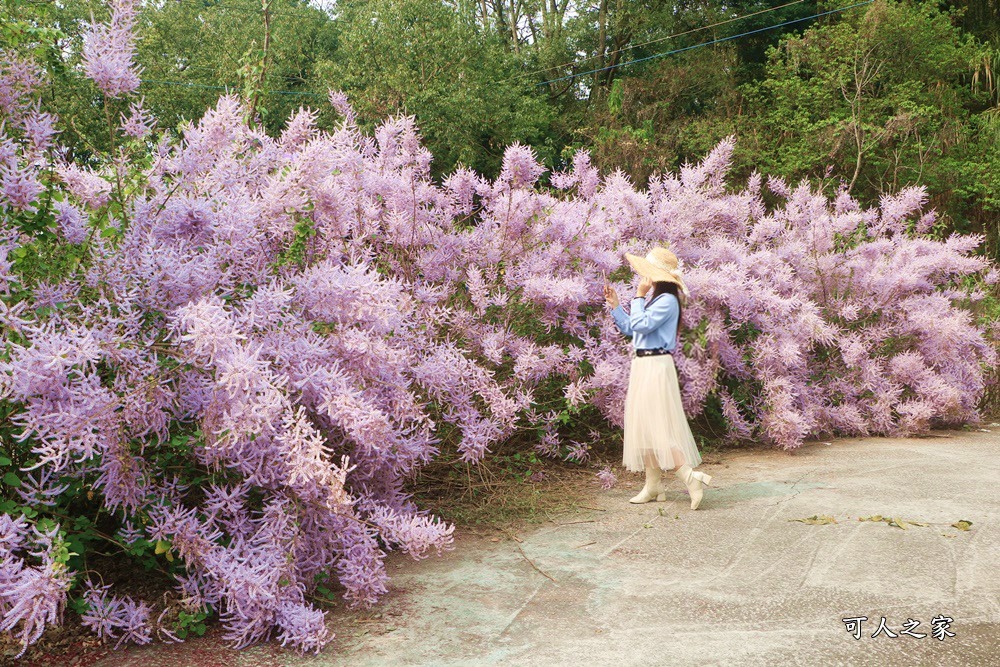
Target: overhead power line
[
  {"x": 709, "y": 43},
  {"x": 592, "y": 71},
  {"x": 659, "y": 39}
]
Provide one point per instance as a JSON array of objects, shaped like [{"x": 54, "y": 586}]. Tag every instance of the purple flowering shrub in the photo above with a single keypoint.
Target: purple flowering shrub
[{"x": 235, "y": 350}]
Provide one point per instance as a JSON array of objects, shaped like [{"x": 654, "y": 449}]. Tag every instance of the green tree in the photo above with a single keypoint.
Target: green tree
[
  {"x": 673, "y": 112},
  {"x": 424, "y": 58},
  {"x": 200, "y": 46},
  {"x": 873, "y": 100}
]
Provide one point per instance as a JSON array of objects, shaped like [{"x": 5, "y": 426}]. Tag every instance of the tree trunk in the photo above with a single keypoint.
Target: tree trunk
[
  {"x": 602, "y": 38},
  {"x": 514, "y": 7}
]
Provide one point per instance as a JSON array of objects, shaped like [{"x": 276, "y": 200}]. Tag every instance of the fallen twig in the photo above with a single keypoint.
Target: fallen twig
[
  {"x": 585, "y": 545},
  {"x": 532, "y": 564},
  {"x": 512, "y": 536}
]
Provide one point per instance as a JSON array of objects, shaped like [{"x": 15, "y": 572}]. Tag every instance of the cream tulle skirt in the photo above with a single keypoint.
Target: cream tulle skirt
[{"x": 655, "y": 425}]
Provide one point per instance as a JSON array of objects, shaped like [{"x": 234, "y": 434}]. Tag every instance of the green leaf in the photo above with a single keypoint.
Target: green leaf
[
  {"x": 962, "y": 525},
  {"x": 10, "y": 479},
  {"x": 76, "y": 545},
  {"x": 79, "y": 605},
  {"x": 4, "y": 461}
]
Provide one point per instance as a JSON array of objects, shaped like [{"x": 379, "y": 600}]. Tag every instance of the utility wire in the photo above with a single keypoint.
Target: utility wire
[
  {"x": 658, "y": 39},
  {"x": 593, "y": 71},
  {"x": 714, "y": 41}
]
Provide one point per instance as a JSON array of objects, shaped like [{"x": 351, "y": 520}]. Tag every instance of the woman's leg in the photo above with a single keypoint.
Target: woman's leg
[
  {"x": 653, "y": 489},
  {"x": 678, "y": 457},
  {"x": 694, "y": 480}
]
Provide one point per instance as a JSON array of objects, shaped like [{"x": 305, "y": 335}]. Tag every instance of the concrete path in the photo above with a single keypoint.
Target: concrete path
[{"x": 738, "y": 582}]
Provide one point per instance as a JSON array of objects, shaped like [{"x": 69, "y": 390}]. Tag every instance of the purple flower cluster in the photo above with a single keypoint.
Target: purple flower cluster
[
  {"x": 108, "y": 50},
  {"x": 140, "y": 121},
  {"x": 113, "y": 617},
  {"x": 33, "y": 582},
  {"x": 26, "y": 133},
  {"x": 606, "y": 478}
]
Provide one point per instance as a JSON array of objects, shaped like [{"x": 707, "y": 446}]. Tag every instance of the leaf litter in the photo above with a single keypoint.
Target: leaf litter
[{"x": 894, "y": 521}]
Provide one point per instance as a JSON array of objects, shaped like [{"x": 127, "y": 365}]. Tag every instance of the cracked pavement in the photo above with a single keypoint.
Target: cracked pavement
[{"x": 738, "y": 582}]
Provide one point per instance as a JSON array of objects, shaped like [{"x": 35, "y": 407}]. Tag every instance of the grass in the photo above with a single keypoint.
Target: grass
[
  {"x": 513, "y": 489},
  {"x": 503, "y": 493}
]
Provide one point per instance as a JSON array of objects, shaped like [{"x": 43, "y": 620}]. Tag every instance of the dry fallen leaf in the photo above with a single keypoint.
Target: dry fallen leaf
[
  {"x": 892, "y": 521},
  {"x": 816, "y": 520}
]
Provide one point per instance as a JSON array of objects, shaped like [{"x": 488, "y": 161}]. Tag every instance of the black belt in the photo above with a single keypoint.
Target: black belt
[{"x": 652, "y": 352}]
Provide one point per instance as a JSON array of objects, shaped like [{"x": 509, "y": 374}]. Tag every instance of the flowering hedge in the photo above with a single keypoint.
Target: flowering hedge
[{"x": 233, "y": 349}]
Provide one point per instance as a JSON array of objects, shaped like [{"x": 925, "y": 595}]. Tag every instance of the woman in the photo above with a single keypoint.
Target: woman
[{"x": 657, "y": 435}]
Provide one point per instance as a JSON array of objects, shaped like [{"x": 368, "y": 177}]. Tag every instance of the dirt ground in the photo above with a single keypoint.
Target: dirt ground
[{"x": 742, "y": 581}]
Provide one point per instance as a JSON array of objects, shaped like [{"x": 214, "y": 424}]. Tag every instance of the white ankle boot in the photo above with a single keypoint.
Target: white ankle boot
[
  {"x": 653, "y": 490},
  {"x": 695, "y": 482}
]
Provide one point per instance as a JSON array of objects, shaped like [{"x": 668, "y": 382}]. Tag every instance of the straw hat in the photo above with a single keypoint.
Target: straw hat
[{"x": 659, "y": 265}]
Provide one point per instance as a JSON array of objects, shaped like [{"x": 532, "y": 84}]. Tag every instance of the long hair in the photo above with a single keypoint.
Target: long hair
[{"x": 664, "y": 287}]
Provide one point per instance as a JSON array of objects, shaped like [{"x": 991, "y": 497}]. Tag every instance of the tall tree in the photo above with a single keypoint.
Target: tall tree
[
  {"x": 421, "y": 57},
  {"x": 873, "y": 99}
]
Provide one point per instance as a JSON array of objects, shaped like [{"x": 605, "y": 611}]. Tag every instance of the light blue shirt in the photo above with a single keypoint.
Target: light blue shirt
[{"x": 651, "y": 325}]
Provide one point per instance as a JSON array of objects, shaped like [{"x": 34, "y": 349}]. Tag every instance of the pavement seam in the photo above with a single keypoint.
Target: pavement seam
[
  {"x": 622, "y": 541},
  {"x": 520, "y": 609}
]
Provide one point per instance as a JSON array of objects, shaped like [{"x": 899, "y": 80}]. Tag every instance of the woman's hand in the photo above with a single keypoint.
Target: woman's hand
[
  {"x": 611, "y": 296},
  {"x": 645, "y": 285}
]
